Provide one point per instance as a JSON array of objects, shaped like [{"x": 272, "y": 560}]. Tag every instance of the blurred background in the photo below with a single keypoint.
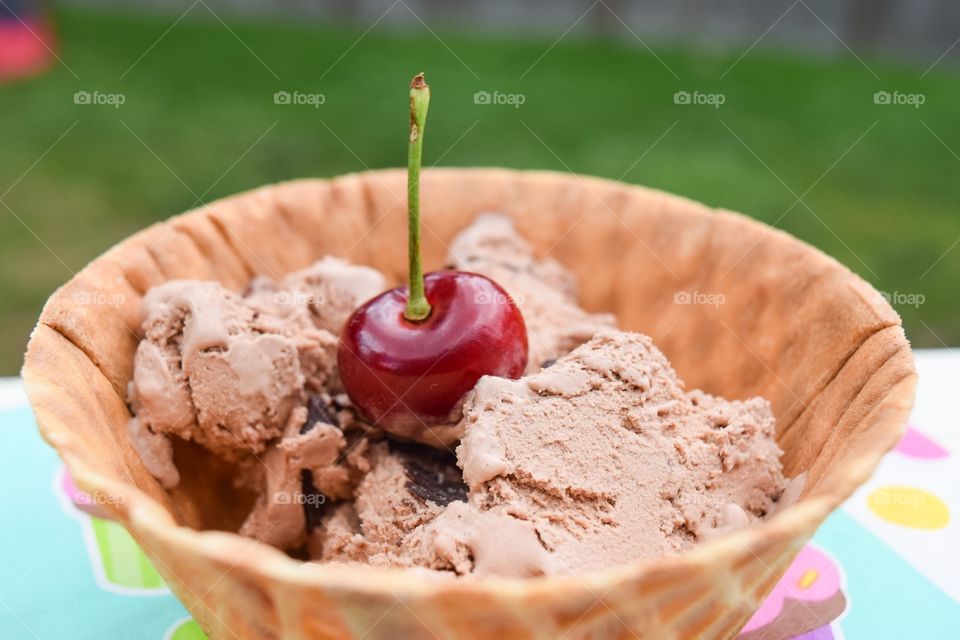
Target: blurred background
[{"x": 836, "y": 121}]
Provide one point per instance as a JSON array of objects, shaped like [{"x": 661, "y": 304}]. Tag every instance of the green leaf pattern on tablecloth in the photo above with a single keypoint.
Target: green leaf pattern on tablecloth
[
  {"x": 124, "y": 563},
  {"x": 186, "y": 630}
]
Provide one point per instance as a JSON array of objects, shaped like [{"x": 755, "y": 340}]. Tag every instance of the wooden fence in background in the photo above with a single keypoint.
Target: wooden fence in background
[{"x": 920, "y": 31}]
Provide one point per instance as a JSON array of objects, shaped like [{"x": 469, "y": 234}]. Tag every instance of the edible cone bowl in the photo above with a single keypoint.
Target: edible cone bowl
[{"x": 740, "y": 309}]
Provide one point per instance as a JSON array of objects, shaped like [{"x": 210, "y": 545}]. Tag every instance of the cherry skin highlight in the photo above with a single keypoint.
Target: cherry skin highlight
[{"x": 405, "y": 376}]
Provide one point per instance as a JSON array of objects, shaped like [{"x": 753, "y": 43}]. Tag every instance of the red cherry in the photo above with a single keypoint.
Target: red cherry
[
  {"x": 408, "y": 356},
  {"x": 405, "y": 376}
]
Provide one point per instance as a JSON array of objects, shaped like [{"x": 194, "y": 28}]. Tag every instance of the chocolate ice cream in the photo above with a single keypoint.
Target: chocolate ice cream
[
  {"x": 227, "y": 371},
  {"x": 408, "y": 486},
  {"x": 597, "y": 457},
  {"x": 212, "y": 370},
  {"x": 322, "y": 295},
  {"x": 312, "y": 463},
  {"x": 545, "y": 291},
  {"x": 597, "y": 460},
  {"x": 608, "y": 460}
]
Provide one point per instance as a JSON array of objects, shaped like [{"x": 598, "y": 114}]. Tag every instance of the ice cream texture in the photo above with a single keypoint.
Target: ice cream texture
[
  {"x": 607, "y": 458},
  {"x": 597, "y": 457},
  {"x": 228, "y": 371},
  {"x": 545, "y": 291}
]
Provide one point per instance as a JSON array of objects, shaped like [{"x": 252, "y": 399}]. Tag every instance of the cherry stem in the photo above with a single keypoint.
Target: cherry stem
[{"x": 417, "y": 306}]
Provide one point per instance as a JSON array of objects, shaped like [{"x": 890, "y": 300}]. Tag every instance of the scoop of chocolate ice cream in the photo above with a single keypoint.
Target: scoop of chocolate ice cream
[
  {"x": 608, "y": 460},
  {"x": 212, "y": 369},
  {"x": 323, "y": 295},
  {"x": 543, "y": 289}
]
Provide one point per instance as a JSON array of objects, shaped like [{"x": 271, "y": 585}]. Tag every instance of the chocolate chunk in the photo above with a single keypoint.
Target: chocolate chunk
[
  {"x": 314, "y": 502},
  {"x": 316, "y": 412},
  {"x": 339, "y": 404},
  {"x": 432, "y": 474}
]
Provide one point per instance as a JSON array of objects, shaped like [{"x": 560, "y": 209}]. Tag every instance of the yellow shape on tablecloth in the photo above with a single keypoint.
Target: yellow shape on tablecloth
[
  {"x": 808, "y": 578},
  {"x": 909, "y": 507}
]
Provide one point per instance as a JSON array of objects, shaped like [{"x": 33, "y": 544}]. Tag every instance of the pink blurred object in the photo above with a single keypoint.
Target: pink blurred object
[
  {"x": 80, "y": 499},
  {"x": 915, "y": 444},
  {"x": 813, "y": 577},
  {"x": 27, "y": 41}
]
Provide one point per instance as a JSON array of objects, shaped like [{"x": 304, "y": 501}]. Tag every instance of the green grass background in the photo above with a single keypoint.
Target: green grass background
[{"x": 199, "y": 98}]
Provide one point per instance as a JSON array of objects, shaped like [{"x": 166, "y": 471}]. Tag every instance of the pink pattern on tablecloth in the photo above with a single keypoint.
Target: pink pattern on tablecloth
[
  {"x": 80, "y": 499},
  {"x": 915, "y": 444},
  {"x": 812, "y": 577}
]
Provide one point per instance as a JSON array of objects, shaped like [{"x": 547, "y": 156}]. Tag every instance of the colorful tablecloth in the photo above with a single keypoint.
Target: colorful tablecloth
[{"x": 886, "y": 565}]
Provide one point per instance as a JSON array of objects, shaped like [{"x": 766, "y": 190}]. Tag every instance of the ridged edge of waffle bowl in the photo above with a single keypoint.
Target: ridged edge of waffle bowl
[{"x": 797, "y": 327}]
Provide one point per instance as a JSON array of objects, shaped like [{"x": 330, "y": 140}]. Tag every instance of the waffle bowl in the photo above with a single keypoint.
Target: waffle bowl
[{"x": 787, "y": 322}]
